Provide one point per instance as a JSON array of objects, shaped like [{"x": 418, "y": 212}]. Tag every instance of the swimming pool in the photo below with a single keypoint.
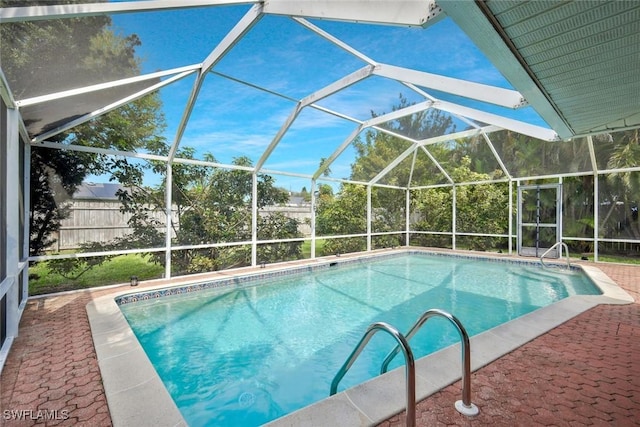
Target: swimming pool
[{"x": 249, "y": 355}]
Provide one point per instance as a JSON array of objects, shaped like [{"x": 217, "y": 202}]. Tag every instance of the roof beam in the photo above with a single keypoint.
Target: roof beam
[
  {"x": 328, "y": 90},
  {"x": 497, "y": 156},
  {"x": 276, "y": 139},
  {"x": 102, "y": 86},
  {"x": 5, "y": 92},
  {"x": 338, "y": 85},
  {"x": 110, "y": 107},
  {"x": 412, "y": 13},
  {"x": 237, "y": 32},
  {"x": 481, "y": 92},
  {"x": 393, "y": 164},
  {"x": 494, "y": 119},
  {"x": 412, "y": 109},
  {"x": 347, "y": 141},
  {"x": 342, "y": 45},
  {"x": 288, "y": 98},
  {"x": 437, "y": 164},
  {"x": 470, "y": 133},
  {"x": 38, "y": 13}
]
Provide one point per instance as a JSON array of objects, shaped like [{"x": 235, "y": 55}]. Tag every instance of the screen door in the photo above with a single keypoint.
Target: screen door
[{"x": 539, "y": 219}]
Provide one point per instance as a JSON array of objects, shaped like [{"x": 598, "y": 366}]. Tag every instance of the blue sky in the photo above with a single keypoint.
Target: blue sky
[{"x": 279, "y": 54}]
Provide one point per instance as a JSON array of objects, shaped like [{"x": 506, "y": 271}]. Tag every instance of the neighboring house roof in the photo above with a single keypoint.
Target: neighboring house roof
[
  {"x": 100, "y": 191},
  {"x": 297, "y": 201},
  {"x": 107, "y": 191}
]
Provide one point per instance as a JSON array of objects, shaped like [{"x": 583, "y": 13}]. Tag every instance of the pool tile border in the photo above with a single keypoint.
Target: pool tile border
[
  {"x": 252, "y": 278},
  {"x": 136, "y": 395}
]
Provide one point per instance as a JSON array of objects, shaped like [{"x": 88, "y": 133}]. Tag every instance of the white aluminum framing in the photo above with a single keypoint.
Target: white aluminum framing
[
  {"x": 102, "y": 86},
  {"x": 254, "y": 218},
  {"x": 314, "y": 197},
  {"x": 59, "y": 11},
  {"x": 328, "y": 90},
  {"x": 438, "y": 165},
  {"x": 422, "y": 145},
  {"x": 538, "y": 132},
  {"x": 26, "y": 203},
  {"x": 391, "y": 12},
  {"x": 480, "y": 92},
  {"x": 5, "y": 92},
  {"x": 225, "y": 45},
  {"x": 322, "y": 33},
  {"x": 596, "y": 195},
  {"x": 454, "y": 216},
  {"x": 85, "y": 118},
  {"x": 522, "y": 127},
  {"x": 369, "y": 217},
  {"x": 499, "y": 96},
  {"x": 10, "y": 286},
  {"x": 10, "y": 102}
]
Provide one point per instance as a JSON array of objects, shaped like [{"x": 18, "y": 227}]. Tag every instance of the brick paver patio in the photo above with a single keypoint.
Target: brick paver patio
[{"x": 584, "y": 372}]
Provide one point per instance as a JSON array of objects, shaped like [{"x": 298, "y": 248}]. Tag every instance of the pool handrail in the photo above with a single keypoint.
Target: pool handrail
[
  {"x": 410, "y": 369},
  {"x": 463, "y": 406},
  {"x": 566, "y": 248}
]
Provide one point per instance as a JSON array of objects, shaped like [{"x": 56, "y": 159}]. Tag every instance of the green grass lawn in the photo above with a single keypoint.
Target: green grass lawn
[
  {"x": 612, "y": 258},
  {"x": 116, "y": 270},
  {"x": 306, "y": 248}
]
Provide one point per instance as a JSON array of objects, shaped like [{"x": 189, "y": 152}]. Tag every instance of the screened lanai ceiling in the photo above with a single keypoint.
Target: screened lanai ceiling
[{"x": 310, "y": 73}]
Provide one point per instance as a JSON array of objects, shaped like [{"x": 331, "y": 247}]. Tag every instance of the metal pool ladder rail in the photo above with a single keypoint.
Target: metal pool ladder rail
[
  {"x": 566, "y": 248},
  {"x": 463, "y": 406},
  {"x": 410, "y": 368}
]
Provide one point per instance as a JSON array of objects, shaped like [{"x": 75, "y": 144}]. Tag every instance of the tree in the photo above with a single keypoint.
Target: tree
[
  {"x": 346, "y": 213},
  {"x": 76, "y": 52},
  {"x": 619, "y": 192},
  {"x": 210, "y": 205},
  {"x": 304, "y": 193},
  {"x": 343, "y": 214}
]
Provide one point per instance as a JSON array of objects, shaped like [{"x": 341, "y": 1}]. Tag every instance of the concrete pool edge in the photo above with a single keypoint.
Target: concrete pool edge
[
  {"x": 136, "y": 395},
  {"x": 134, "y": 391}
]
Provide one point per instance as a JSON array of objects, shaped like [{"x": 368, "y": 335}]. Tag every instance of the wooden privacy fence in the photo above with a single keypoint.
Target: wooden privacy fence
[
  {"x": 102, "y": 221},
  {"x": 95, "y": 221}
]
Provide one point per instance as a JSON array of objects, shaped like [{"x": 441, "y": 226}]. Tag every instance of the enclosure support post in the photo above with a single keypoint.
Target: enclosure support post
[
  {"x": 559, "y": 211},
  {"x": 408, "y": 218},
  {"x": 167, "y": 238},
  {"x": 596, "y": 196},
  {"x": 368, "y": 218},
  {"x": 26, "y": 232},
  {"x": 510, "y": 244},
  {"x": 254, "y": 219},
  {"x": 453, "y": 218},
  {"x": 314, "y": 196},
  {"x": 12, "y": 225},
  {"x": 519, "y": 219},
  {"x": 596, "y": 214}
]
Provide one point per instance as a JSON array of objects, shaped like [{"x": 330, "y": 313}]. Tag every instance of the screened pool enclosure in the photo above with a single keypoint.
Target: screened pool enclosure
[{"x": 200, "y": 135}]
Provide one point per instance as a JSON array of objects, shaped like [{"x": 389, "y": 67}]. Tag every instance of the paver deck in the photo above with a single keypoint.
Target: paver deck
[{"x": 584, "y": 372}]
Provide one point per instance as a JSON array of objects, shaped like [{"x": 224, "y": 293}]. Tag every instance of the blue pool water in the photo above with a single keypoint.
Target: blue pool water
[{"x": 247, "y": 356}]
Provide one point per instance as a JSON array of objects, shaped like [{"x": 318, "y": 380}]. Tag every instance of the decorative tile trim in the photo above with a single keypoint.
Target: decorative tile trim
[{"x": 250, "y": 279}]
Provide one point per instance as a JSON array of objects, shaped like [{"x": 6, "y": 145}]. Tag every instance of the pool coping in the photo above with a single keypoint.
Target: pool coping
[{"x": 136, "y": 395}]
